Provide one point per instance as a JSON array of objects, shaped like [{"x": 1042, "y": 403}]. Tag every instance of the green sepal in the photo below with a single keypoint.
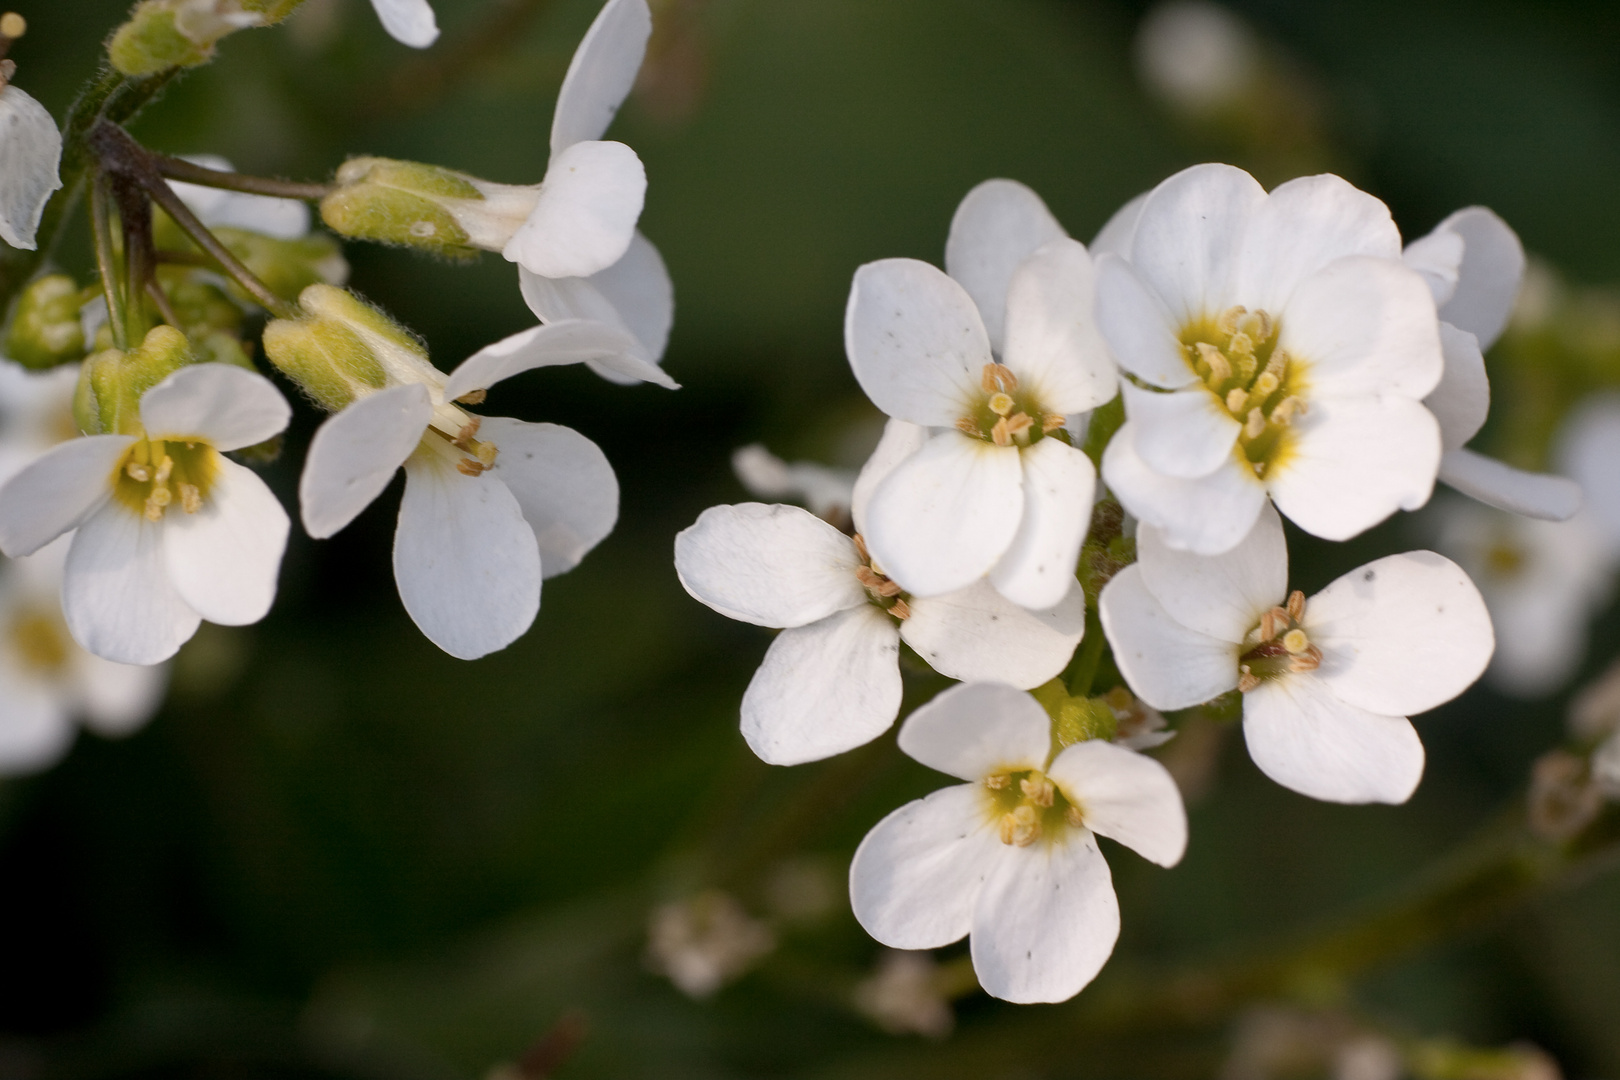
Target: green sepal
[
  {"x": 45, "y": 328},
  {"x": 401, "y": 202},
  {"x": 1075, "y": 719},
  {"x": 108, "y": 399},
  {"x": 326, "y": 352}
]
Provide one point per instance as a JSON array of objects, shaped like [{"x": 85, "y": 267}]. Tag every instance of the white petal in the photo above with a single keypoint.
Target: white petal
[
  {"x": 1208, "y": 515},
  {"x": 900, "y": 440},
  {"x": 55, "y": 493},
  {"x": 1364, "y": 326},
  {"x": 1187, "y": 247},
  {"x": 915, "y": 877},
  {"x": 1303, "y": 226},
  {"x": 1537, "y": 495},
  {"x": 35, "y": 728},
  {"x": 1139, "y": 329},
  {"x": 409, "y": 22},
  {"x": 1354, "y": 462},
  {"x": 225, "y": 405},
  {"x": 976, "y": 634},
  {"x": 1183, "y": 433},
  {"x": 224, "y": 558},
  {"x": 1168, "y": 665},
  {"x": 116, "y": 594},
  {"x": 465, "y": 561},
  {"x": 30, "y": 151},
  {"x": 563, "y": 483},
  {"x": 998, "y": 225},
  {"x": 355, "y": 452},
  {"x": 119, "y": 698},
  {"x": 946, "y": 514},
  {"x": 915, "y": 341},
  {"x": 634, "y": 294},
  {"x": 1400, "y": 635},
  {"x": 1038, "y": 569},
  {"x": 601, "y": 73},
  {"x": 1124, "y": 796},
  {"x": 1488, "y": 280},
  {"x": 824, "y": 688},
  {"x": 1045, "y": 922},
  {"x": 1116, "y": 235},
  {"x": 1462, "y": 399},
  {"x": 586, "y": 214},
  {"x": 768, "y": 565},
  {"x": 975, "y": 729},
  {"x": 1052, "y": 338},
  {"x": 1438, "y": 257},
  {"x": 575, "y": 341},
  {"x": 1306, "y": 739},
  {"x": 1219, "y": 595}
]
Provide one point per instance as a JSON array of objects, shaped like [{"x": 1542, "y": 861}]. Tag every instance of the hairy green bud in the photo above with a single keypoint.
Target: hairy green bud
[
  {"x": 1075, "y": 719},
  {"x": 151, "y": 42},
  {"x": 111, "y": 383},
  {"x": 333, "y": 351},
  {"x": 288, "y": 267},
  {"x": 424, "y": 206},
  {"x": 45, "y": 329}
]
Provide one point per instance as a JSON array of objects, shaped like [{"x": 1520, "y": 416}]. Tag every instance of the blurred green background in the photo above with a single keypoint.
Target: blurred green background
[{"x": 338, "y": 852}]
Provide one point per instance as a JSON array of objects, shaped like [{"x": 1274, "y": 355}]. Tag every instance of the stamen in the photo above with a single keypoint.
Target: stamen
[
  {"x": 1255, "y": 424},
  {"x": 997, "y": 781},
  {"x": 190, "y": 497},
  {"x": 165, "y": 469},
  {"x": 1309, "y": 660},
  {"x": 1241, "y": 344},
  {"x": 1287, "y": 409},
  {"x": 1235, "y": 400},
  {"x": 469, "y": 467},
  {"x": 968, "y": 426},
  {"x": 1022, "y": 827},
  {"x": 995, "y": 377},
  {"x": 1268, "y": 625},
  {"x": 1074, "y": 816},
  {"x": 1219, "y": 369},
  {"x": 486, "y": 452},
  {"x": 1228, "y": 321},
  {"x": 901, "y": 610},
  {"x": 999, "y": 434},
  {"x": 472, "y": 397},
  {"x": 1246, "y": 680},
  {"x": 860, "y": 548},
  {"x": 1037, "y": 789},
  {"x": 1266, "y": 384},
  {"x": 139, "y": 473},
  {"x": 1296, "y": 605},
  {"x": 470, "y": 429},
  {"x": 1052, "y": 422}
]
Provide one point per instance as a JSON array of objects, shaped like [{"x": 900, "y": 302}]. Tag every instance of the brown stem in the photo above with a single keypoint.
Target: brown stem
[
  {"x": 161, "y": 300},
  {"x": 180, "y": 169}
]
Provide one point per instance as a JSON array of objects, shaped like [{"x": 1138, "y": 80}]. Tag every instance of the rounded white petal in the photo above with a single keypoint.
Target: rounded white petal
[
  {"x": 1537, "y": 495},
  {"x": 355, "y": 452},
  {"x": 1124, "y": 796},
  {"x": 586, "y": 213},
  {"x": 1488, "y": 279},
  {"x": 1303, "y": 226},
  {"x": 1045, "y": 922},
  {"x": 946, "y": 514},
  {"x": 1308, "y": 740},
  {"x": 634, "y": 294},
  {"x": 1116, "y": 235},
  {"x": 30, "y": 151},
  {"x": 574, "y": 341},
  {"x": 1052, "y": 338},
  {"x": 915, "y": 878},
  {"x": 996, "y": 227},
  {"x": 224, "y": 558},
  {"x": 1208, "y": 515},
  {"x": 975, "y": 729},
  {"x": 1038, "y": 569},
  {"x": 915, "y": 341},
  {"x": 775, "y": 565},
  {"x": 1363, "y": 326},
  {"x": 118, "y": 699},
  {"x": 57, "y": 491},
  {"x": 1438, "y": 257},
  {"x": 1462, "y": 399},
  {"x": 35, "y": 727},
  {"x": 824, "y": 688},
  {"x": 1168, "y": 665},
  {"x": 1354, "y": 462},
  {"x": 976, "y": 634},
  {"x": 601, "y": 73},
  {"x": 1184, "y": 434},
  {"x": 116, "y": 594},
  {"x": 900, "y": 440},
  {"x": 563, "y": 483},
  {"x": 1223, "y": 595},
  {"x": 1139, "y": 329},
  {"x": 409, "y": 22},
  {"x": 223, "y": 404},
  {"x": 1400, "y": 635},
  {"x": 1188, "y": 244},
  {"x": 465, "y": 560}
]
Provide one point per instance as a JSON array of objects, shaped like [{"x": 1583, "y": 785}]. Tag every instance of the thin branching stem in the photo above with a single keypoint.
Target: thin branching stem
[
  {"x": 180, "y": 169},
  {"x": 106, "y": 261}
]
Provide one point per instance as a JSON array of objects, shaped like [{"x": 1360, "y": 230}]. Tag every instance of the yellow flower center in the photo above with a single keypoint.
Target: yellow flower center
[
  {"x": 155, "y": 474},
  {"x": 880, "y": 588},
  {"x": 1007, "y": 415},
  {"x": 1026, "y": 806},
  {"x": 1279, "y": 645},
  {"x": 1236, "y": 356}
]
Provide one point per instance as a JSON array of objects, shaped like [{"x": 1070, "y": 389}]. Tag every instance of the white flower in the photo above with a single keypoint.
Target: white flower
[
  {"x": 995, "y": 489},
  {"x": 36, "y": 413},
  {"x": 30, "y": 151},
  {"x": 1275, "y": 345},
  {"x": 409, "y": 22},
  {"x": 1010, "y": 857},
  {"x": 1473, "y": 264},
  {"x": 705, "y": 941},
  {"x": 492, "y": 505},
  {"x": 1327, "y": 682},
  {"x": 47, "y": 680},
  {"x": 903, "y": 996},
  {"x": 831, "y": 679},
  {"x": 166, "y": 530},
  {"x": 1197, "y": 55},
  {"x": 828, "y": 492}
]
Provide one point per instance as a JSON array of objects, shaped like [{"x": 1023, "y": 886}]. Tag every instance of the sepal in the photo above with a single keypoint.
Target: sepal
[{"x": 112, "y": 382}]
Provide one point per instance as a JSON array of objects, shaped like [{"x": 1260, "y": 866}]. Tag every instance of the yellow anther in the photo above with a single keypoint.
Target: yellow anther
[
  {"x": 190, "y": 497},
  {"x": 1228, "y": 321},
  {"x": 13, "y": 25},
  {"x": 1295, "y": 641},
  {"x": 1001, "y": 404},
  {"x": 1256, "y": 324},
  {"x": 1246, "y": 681},
  {"x": 1235, "y": 400},
  {"x": 1296, "y": 605},
  {"x": 1266, "y": 384},
  {"x": 968, "y": 426},
  {"x": 1241, "y": 344},
  {"x": 901, "y": 610},
  {"x": 486, "y": 453},
  {"x": 1309, "y": 660},
  {"x": 1022, "y": 827},
  {"x": 469, "y": 467},
  {"x": 138, "y": 472},
  {"x": 1219, "y": 368},
  {"x": 1255, "y": 424},
  {"x": 467, "y": 432},
  {"x": 997, "y": 781},
  {"x": 1037, "y": 789},
  {"x": 472, "y": 397},
  {"x": 165, "y": 470},
  {"x": 993, "y": 377},
  {"x": 1074, "y": 816},
  {"x": 1268, "y": 626},
  {"x": 1287, "y": 409},
  {"x": 1052, "y": 422}
]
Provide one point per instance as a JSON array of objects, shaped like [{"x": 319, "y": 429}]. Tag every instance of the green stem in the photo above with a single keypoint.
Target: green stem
[
  {"x": 1083, "y": 668},
  {"x": 106, "y": 263},
  {"x": 180, "y": 169}
]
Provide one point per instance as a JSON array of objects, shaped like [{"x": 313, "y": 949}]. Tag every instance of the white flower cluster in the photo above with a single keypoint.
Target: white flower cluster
[{"x": 1278, "y": 355}]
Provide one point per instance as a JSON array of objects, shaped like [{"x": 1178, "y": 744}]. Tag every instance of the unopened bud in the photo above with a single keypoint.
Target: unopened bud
[
  {"x": 425, "y": 206},
  {"x": 1075, "y": 719},
  {"x": 288, "y": 267},
  {"x": 199, "y": 304},
  {"x": 46, "y": 329},
  {"x": 111, "y": 383},
  {"x": 342, "y": 348},
  {"x": 151, "y": 42}
]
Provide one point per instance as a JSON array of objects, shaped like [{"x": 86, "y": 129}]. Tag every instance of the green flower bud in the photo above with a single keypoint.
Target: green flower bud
[
  {"x": 108, "y": 398},
  {"x": 1075, "y": 719},
  {"x": 150, "y": 42},
  {"x": 424, "y": 206},
  {"x": 200, "y": 304},
  {"x": 288, "y": 267},
  {"x": 45, "y": 329},
  {"x": 334, "y": 351},
  {"x": 220, "y": 347}
]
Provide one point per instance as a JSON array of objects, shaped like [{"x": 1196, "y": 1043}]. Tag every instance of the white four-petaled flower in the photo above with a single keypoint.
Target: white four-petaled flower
[
  {"x": 1328, "y": 683},
  {"x": 1010, "y": 857}
]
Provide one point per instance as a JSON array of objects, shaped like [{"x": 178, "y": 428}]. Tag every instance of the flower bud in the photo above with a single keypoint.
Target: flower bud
[
  {"x": 155, "y": 39},
  {"x": 425, "y": 206},
  {"x": 271, "y": 11},
  {"x": 45, "y": 330},
  {"x": 342, "y": 348},
  {"x": 288, "y": 267},
  {"x": 111, "y": 383},
  {"x": 200, "y": 305}
]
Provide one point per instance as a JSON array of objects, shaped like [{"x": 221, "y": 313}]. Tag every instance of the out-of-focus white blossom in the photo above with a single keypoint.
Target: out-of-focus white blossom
[
  {"x": 827, "y": 492},
  {"x": 903, "y": 996},
  {"x": 1197, "y": 55},
  {"x": 705, "y": 941}
]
